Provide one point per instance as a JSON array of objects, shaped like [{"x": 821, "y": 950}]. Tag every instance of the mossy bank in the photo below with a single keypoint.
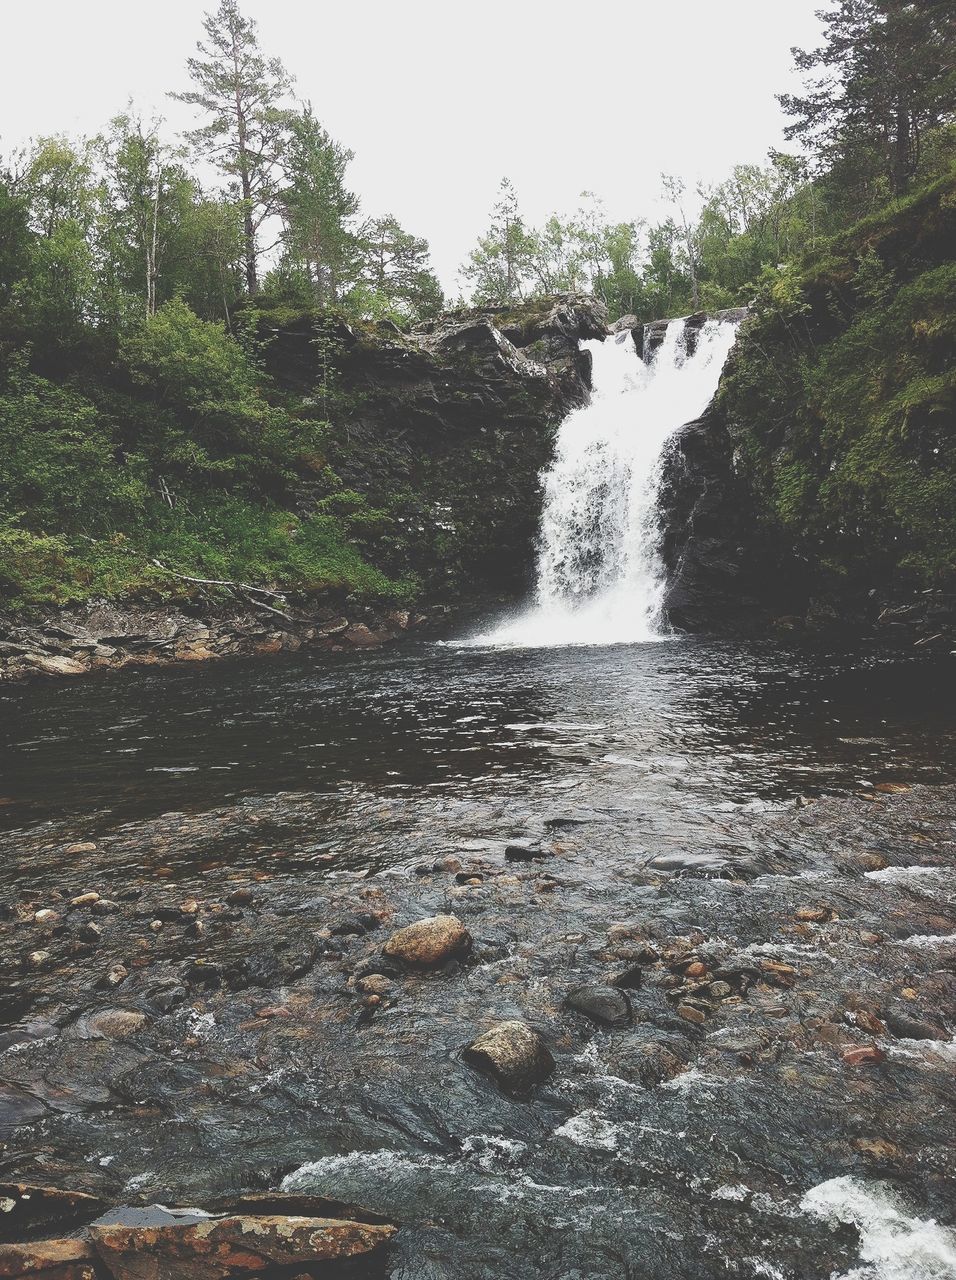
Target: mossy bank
[
  {"x": 311, "y": 482},
  {"x": 821, "y": 484}
]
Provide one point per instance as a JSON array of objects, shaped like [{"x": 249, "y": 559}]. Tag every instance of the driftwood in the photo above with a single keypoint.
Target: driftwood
[{"x": 240, "y": 588}]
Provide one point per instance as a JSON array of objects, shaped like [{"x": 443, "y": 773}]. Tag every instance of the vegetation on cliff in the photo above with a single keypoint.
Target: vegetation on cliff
[
  {"x": 178, "y": 398},
  {"x": 842, "y": 398}
]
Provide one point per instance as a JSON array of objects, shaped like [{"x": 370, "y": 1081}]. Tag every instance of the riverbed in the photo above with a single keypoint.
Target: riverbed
[{"x": 764, "y": 831}]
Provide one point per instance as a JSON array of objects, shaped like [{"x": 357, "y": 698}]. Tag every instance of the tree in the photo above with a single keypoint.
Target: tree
[
  {"x": 147, "y": 194},
  {"x": 56, "y": 184},
  {"x": 883, "y": 76},
  {"x": 318, "y": 209},
  {"x": 674, "y": 189},
  {"x": 556, "y": 258},
  {"x": 397, "y": 270},
  {"x": 15, "y": 240},
  {"x": 503, "y": 259},
  {"x": 242, "y": 92}
]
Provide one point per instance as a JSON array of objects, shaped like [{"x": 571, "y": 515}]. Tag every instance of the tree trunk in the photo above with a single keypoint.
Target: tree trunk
[{"x": 901, "y": 149}]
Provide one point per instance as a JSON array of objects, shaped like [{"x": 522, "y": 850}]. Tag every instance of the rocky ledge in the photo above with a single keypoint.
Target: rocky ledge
[
  {"x": 109, "y": 637},
  {"x": 276, "y": 1235}
]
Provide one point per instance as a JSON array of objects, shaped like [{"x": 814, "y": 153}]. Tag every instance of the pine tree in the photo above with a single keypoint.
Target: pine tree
[
  {"x": 318, "y": 208},
  {"x": 503, "y": 259},
  {"x": 397, "y": 269},
  {"x": 885, "y": 73},
  {"x": 241, "y": 91}
]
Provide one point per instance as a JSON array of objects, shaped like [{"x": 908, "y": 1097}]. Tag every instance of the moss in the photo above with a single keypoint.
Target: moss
[{"x": 842, "y": 397}]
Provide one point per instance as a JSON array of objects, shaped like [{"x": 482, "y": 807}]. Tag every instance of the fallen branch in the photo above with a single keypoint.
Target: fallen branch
[{"x": 241, "y": 588}]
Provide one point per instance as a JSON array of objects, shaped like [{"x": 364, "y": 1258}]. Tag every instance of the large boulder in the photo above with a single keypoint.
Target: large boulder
[
  {"x": 513, "y": 1054},
  {"x": 221, "y": 1248},
  {"x": 429, "y": 943}
]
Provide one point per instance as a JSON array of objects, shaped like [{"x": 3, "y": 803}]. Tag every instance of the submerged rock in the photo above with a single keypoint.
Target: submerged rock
[
  {"x": 430, "y": 942},
  {"x": 606, "y": 1005},
  {"x": 513, "y": 1054}
]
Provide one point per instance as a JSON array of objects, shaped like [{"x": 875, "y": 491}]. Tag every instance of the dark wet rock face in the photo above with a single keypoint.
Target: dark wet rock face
[
  {"x": 459, "y": 416},
  {"x": 732, "y": 566}
]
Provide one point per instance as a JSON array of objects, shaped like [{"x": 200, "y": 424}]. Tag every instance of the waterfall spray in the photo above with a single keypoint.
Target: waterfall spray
[{"x": 599, "y": 575}]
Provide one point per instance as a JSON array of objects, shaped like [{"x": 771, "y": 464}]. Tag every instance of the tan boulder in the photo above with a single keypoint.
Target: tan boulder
[
  {"x": 513, "y": 1053},
  {"x": 430, "y": 942},
  {"x": 56, "y": 666},
  {"x": 49, "y": 1260}
]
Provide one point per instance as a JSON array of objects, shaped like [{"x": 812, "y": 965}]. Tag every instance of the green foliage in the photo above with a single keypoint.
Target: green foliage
[
  {"x": 842, "y": 397},
  {"x": 220, "y": 424},
  {"x": 500, "y": 265},
  {"x": 883, "y": 77},
  {"x": 58, "y": 458},
  {"x": 15, "y": 242}
]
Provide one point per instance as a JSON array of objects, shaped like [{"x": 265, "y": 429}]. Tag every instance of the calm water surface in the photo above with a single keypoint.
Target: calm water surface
[{"x": 689, "y": 724}]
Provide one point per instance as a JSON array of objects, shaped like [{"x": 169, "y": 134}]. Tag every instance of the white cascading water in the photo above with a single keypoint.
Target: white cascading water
[{"x": 599, "y": 575}]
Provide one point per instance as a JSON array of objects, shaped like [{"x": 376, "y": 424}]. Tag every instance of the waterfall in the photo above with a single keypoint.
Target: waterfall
[{"x": 599, "y": 575}]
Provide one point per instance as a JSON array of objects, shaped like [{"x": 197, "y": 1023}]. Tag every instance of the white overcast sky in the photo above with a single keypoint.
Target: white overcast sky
[{"x": 440, "y": 99}]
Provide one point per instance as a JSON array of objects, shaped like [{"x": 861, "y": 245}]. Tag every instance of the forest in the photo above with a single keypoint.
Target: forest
[{"x": 137, "y": 420}]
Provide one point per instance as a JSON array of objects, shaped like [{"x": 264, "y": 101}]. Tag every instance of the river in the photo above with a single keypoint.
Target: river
[{"x": 686, "y": 795}]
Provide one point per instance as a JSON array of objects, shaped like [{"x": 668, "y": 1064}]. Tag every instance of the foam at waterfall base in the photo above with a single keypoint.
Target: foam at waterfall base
[{"x": 600, "y": 580}]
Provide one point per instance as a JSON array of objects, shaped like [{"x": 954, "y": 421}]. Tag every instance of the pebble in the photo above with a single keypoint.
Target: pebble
[
  {"x": 867, "y": 1021},
  {"x": 47, "y": 917},
  {"x": 37, "y": 960},
  {"x": 90, "y": 932},
  {"x": 81, "y": 846},
  {"x": 691, "y": 1013},
  {"x": 84, "y": 900},
  {"x": 783, "y": 975},
  {"x": 814, "y": 915},
  {"x": 117, "y": 975},
  {"x": 374, "y": 984},
  {"x": 115, "y": 1024},
  {"x": 863, "y": 1055},
  {"x": 630, "y": 978}
]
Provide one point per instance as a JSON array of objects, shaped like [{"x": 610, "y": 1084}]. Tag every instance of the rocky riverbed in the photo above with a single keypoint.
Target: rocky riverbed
[{"x": 544, "y": 1028}]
